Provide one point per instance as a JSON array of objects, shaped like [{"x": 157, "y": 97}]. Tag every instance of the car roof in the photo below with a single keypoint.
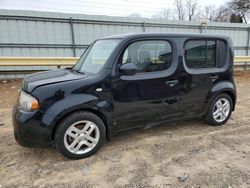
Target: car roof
[{"x": 135, "y": 35}]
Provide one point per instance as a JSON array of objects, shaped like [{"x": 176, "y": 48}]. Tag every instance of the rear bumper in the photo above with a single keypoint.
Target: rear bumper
[{"x": 29, "y": 130}]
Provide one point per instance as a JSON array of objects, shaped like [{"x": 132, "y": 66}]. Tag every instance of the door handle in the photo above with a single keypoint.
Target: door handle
[
  {"x": 213, "y": 78},
  {"x": 172, "y": 83}
]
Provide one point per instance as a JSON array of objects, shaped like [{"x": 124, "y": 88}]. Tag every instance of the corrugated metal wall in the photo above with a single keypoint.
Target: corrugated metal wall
[{"x": 27, "y": 33}]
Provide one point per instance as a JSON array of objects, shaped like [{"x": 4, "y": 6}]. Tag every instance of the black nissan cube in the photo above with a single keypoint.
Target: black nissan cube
[{"x": 125, "y": 82}]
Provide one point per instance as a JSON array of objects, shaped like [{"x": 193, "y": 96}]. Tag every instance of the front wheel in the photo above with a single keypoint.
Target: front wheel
[
  {"x": 220, "y": 110},
  {"x": 80, "y": 135}
]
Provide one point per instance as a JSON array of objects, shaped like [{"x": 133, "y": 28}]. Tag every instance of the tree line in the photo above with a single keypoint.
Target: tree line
[{"x": 234, "y": 11}]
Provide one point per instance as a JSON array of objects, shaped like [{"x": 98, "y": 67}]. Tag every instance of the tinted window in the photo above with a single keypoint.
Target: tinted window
[
  {"x": 200, "y": 53},
  {"x": 221, "y": 54},
  {"x": 149, "y": 56}
]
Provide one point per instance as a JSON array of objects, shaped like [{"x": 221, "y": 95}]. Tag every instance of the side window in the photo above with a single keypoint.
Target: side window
[
  {"x": 149, "y": 56},
  {"x": 205, "y": 53},
  {"x": 221, "y": 53},
  {"x": 200, "y": 53}
]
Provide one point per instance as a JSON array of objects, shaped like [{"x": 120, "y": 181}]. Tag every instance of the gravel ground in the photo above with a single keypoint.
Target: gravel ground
[{"x": 187, "y": 154}]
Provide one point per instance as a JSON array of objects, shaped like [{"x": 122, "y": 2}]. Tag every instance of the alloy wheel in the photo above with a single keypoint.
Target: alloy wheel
[
  {"x": 81, "y": 137},
  {"x": 221, "y": 110}
]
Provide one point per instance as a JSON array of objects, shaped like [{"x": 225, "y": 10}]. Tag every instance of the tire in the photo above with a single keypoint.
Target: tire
[
  {"x": 80, "y": 135},
  {"x": 211, "y": 116}
]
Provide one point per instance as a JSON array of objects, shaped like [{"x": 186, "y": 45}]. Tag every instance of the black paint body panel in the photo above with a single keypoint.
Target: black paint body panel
[{"x": 125, "y": 102}]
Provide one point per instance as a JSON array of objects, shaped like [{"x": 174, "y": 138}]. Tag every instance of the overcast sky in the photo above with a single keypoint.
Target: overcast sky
[{"x": 146, "y": 8}]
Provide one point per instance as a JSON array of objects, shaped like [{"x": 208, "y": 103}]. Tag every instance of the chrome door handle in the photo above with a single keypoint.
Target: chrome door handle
[{"x": 172, "y": 83}]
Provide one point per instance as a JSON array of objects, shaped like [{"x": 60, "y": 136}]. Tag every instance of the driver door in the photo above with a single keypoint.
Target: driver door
[{"x": 151, "y": 96}]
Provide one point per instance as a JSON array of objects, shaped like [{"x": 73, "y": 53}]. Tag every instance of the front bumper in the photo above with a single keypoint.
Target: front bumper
[{"x": 29, "y": 129}]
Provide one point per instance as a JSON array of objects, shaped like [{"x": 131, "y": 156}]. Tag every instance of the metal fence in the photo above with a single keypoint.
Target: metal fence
[
  {"x": 44, "y": 34},
  {"x": 27, "y": 33}
]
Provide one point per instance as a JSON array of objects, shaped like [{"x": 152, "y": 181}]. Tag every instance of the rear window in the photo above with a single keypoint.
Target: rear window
[{"x": 205, "y": 53}]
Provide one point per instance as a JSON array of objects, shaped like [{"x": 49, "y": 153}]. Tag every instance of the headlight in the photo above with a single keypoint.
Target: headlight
[{"x": 27, "y": 102}]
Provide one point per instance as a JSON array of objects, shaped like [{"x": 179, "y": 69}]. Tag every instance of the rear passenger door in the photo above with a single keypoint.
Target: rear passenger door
[{"x": 204, "y": 64}]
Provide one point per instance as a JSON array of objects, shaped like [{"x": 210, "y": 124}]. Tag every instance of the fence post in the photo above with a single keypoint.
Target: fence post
[
  {"x": 144, "y": 27},
  {"x": 72, "y": 36},
  {"x": 248, "y": 42},
  {"x": 203, "y": 26}
]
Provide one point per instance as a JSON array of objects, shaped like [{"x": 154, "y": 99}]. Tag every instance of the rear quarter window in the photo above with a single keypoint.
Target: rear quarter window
[{"x": 204, "y": 54}]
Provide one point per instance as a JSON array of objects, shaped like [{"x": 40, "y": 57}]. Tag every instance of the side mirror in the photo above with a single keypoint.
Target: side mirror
[{"x": 128, "y": 69}]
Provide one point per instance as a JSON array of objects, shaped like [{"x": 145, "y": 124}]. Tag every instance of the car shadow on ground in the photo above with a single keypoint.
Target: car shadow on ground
[{"x": 132, "y": 138}]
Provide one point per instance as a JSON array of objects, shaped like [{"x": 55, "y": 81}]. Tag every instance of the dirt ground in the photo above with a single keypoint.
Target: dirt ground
[{"x": 188, "y": 154}]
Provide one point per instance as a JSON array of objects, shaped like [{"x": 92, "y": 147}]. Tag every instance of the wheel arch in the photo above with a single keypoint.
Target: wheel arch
[
  {"x": 94, "y": 111},
  {"x": 232, "y": 95},
  {"x": 223, "y": 87}
]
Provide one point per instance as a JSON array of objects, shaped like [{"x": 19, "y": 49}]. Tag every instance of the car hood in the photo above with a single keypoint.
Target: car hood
[{"x": 49, "y": 77}]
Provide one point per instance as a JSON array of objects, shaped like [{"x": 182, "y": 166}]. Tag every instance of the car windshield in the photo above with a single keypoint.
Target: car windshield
[{"x": 95, "y": 57}]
